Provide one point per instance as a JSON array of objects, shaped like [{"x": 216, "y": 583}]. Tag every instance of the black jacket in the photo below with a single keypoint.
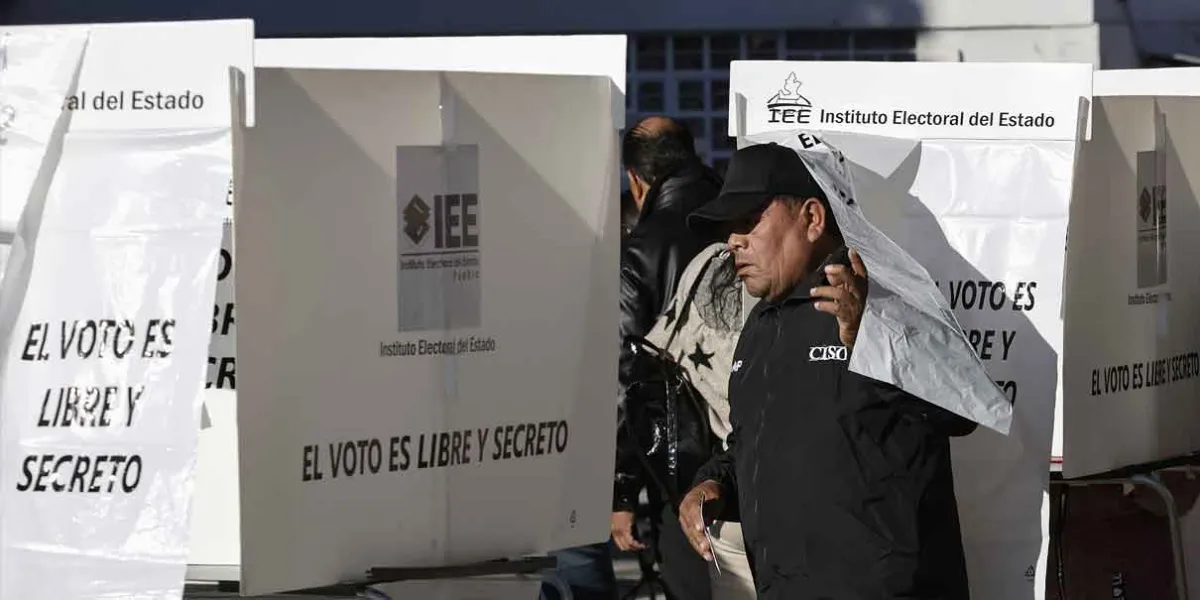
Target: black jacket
[
  {"x": 844, "y": 482},
  {"x": 653, "y": 258}
]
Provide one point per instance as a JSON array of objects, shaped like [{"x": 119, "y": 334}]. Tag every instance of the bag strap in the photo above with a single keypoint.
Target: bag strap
[{"x": 687, "y": 302}]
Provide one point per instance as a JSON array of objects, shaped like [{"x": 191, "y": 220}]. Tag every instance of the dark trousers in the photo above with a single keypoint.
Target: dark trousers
[
  {"x": 587, "y": 570},
  {"x": 684, "y": 573}
]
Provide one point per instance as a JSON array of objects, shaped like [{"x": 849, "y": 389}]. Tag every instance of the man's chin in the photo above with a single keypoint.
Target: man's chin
[{"x": 755, "y": 291}]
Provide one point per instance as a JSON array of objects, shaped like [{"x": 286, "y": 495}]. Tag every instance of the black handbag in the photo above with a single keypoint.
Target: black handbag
[{"x": 666, "y": 418}]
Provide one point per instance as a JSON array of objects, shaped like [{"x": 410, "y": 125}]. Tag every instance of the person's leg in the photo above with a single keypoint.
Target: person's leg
[
  {"x": 735, "y": 581},
  {"x": 587, "y": 570},
  {"x": 684, "y": 573}
]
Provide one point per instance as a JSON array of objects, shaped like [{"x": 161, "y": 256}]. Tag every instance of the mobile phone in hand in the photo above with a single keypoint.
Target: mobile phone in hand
[{"x": 708, "y": 536}]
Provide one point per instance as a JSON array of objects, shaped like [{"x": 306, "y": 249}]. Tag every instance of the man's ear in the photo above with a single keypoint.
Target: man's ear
[
  {"x": 637, "y": 187},
  {"x": 815, "y": 216}
]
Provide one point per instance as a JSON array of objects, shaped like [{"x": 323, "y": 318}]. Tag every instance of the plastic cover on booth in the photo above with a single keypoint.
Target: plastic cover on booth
[
  {"x": 909, "y": 336},
  {"x": 105, "y": 312}
]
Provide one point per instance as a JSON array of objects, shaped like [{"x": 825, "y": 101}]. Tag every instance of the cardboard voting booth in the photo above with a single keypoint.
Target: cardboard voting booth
[
  {"x": 105, "y": 305},
  {"x": 1177, "y": 81},
  {"x": 1132, "y": 366},
  {"x": 216, "y": 545},
  {"x": 425, "y": 344},
  {"x": 985, "y": 167}
]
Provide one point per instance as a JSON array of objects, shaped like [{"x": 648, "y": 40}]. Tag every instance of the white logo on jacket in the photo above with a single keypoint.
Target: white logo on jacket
[
  {"x": 827, "y": 353},
  {"x": 737, "y": 365}
]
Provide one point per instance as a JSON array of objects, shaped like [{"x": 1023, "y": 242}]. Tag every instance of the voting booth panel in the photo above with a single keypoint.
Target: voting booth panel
[
  {"x": 1183, "y": 81},
  {"x": 424, "y": 279},
  {"x": 1132, "y": 368},
  {"x": 985, "y": 168},
  {"x": 524, "y": 54},
  {"x": 1177, "y": 81},
  {"x": 216, "y": 546},
  {"x": 104, "y": 313}
]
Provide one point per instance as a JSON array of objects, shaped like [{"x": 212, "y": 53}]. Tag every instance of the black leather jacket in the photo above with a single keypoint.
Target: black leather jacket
[{"x": 653, "y": 258}]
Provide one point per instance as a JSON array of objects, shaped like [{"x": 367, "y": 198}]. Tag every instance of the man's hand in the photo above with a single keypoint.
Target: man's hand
[
  {"x": 691, "y": 516},
  {"x": 621, "y": 526},
  {"x": 845, "y": 297}
]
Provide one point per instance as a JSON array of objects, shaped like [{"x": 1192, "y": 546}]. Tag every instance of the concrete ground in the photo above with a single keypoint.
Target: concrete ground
[{"x": 627, "y": 576}]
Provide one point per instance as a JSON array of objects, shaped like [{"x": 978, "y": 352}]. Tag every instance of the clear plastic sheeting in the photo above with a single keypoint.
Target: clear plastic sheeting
[
  {"x": 38, "y": 69},
  {"x": 105, "y": 313},
  {"x": 909, "y": 337}
]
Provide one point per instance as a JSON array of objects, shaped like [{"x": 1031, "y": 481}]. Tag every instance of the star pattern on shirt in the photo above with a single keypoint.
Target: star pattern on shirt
[{"x": 700, "y": 358}]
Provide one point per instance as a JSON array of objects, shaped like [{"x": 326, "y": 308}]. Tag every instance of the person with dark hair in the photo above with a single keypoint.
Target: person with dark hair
[
  {"x": 844, "y": 483},
  {"x": 667, "y": 182},
  {"x": 699, "y": 331}
]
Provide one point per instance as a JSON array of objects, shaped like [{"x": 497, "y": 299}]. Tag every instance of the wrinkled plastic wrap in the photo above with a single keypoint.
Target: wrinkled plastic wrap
[
  {"x": 105, "y": 313},
  {"x": 38, "y": 70},
  {"x": 909, "y": 337}
]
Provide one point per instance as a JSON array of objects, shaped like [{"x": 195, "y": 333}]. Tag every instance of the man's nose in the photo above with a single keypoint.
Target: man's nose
[{"x": 736, "y": 241}]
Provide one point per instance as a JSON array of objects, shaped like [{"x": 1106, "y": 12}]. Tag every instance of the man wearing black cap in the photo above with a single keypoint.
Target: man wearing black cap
[{"x": 844, "y": 482}]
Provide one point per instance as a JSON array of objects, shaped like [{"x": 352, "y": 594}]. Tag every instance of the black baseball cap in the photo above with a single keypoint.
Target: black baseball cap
[{"x": 755, "y": 176}]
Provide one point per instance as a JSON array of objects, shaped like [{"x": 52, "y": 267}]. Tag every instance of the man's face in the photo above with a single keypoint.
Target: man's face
[{"x": 772, "y": 249}]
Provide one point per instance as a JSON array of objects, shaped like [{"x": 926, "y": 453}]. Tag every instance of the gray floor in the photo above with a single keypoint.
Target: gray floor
[{"x": 627, "y": 576}]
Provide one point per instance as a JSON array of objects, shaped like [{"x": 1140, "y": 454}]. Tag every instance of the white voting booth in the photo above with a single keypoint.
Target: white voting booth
[
  {"x": 1131, "y": 397},
  {"x": 387, "y": 427},
  {"x": 572, "y": 209},
  {"x": 985, "y": 167},
  {"x": 401, "y": 400},
  {"x": 215, "y": 533},
  {"x": 1176, "y": 81},
  {"x": 105, "y": 299},
  {"x": 1131, "y": 378}
]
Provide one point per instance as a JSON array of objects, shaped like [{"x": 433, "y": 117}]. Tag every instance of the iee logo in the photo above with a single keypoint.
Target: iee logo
[{"x": 455, "y": 221}]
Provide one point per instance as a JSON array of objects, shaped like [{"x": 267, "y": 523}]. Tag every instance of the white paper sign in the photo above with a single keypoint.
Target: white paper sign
[
  {"x": 425, "y": 326},
  {"x": 104, "y": 315},
  {"x": 985, "y": 212},
  {"x": 1132, "y": 348},
  {"x": 978, "y": 101}
]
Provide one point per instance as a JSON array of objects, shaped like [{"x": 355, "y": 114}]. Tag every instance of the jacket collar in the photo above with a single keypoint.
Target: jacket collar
[
  {"x": 668, "y": 191},
  {"x": 816, "y": 278}
]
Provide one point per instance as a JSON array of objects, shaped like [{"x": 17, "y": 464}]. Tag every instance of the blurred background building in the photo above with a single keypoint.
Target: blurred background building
[{"x": 679, "y": 51}]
